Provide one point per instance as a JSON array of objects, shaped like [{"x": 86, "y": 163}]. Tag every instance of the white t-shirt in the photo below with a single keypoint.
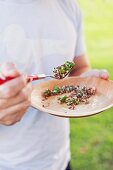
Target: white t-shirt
[{"x": 38, "y": 35}]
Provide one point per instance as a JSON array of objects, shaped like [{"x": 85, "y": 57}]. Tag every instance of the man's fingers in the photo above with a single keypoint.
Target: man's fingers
[
  {"x": 14, "y": 109},
  {"x": 9, "y": 69},
  {"x": 18, "y": 108},
  {"x": 104, "y": 74},
  {"x": 14, "y": 95},
  {"x": 22, "y": 96},
  {"x": 96, "y": 73},
  {"x": 13, "y": 87},
  {"x": 12, "y": 119}
]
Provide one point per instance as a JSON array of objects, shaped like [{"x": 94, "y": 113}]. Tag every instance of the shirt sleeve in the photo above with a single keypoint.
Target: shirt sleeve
[
  {"x": 77, "y": 17},
  {"x": 80, "y": 48},
  {"x": 74, "y": 13}
]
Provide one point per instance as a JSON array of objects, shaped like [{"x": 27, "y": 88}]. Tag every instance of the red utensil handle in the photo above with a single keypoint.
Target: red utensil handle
[
  {"x": 30, "y": 78},
  {"x": 5, "y": 79}
]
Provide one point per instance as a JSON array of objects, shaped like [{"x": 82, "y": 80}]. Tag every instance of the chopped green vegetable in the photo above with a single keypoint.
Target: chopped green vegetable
[
  {"x": 69, "y": 64},
  {"x": 56, "y": 89},
  {"x": 62, "y": 99},
  {"x": 47, "y": 93}
]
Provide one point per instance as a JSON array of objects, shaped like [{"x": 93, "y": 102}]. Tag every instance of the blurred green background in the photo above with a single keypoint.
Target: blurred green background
[{"x": 92, "y": 138}]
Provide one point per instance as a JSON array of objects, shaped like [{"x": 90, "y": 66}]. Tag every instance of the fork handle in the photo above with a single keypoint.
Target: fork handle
[{"x": 29, "y": 78}]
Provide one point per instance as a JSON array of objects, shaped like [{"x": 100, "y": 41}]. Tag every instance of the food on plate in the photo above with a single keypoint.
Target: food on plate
[
  {"x": 62, "y": 71},
  {"x": 74, "y": 95}
]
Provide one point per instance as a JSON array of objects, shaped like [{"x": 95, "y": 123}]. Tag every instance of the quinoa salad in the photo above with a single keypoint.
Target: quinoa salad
[{"x": 70, "y": 95}]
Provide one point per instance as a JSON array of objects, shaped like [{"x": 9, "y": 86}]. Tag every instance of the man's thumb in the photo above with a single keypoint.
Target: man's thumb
[{"x": 9, "y": 69}]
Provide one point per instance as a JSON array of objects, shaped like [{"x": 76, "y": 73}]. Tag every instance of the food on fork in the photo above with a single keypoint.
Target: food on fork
[{"x": 62, "y": 71}]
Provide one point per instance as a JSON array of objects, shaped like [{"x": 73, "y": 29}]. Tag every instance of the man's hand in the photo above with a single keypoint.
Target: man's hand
[
  {"x": 97, "y": 73},
  {"x": 14, "y": 96}
]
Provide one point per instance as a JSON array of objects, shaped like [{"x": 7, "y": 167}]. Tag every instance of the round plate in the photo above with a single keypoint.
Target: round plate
[{"x": 102, "y": 100}]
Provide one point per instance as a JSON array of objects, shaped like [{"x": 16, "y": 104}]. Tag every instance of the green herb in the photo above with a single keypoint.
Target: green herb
[
  {"x": 69, "y": 64},
  {"x": 56, "y": 89},
  {"x": 47, "y": 93},
  {"x": 62, "y": 99}
]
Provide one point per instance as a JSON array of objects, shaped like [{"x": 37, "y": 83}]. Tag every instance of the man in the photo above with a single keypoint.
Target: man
[{"x": 35, "y": 36}]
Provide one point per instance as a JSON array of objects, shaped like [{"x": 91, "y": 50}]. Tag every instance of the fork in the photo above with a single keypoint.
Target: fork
[
  {"x": 33, "y": 77},
  {"x": 29, "y": 78}
]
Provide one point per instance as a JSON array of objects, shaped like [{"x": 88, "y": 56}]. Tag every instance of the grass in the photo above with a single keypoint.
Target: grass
[{"x": 92, "y": 138}]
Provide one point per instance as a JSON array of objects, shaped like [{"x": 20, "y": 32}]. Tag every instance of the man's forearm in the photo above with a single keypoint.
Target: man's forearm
[
  {"x": 78, "y": 72},
  {"x": 81, "y": 65}
]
